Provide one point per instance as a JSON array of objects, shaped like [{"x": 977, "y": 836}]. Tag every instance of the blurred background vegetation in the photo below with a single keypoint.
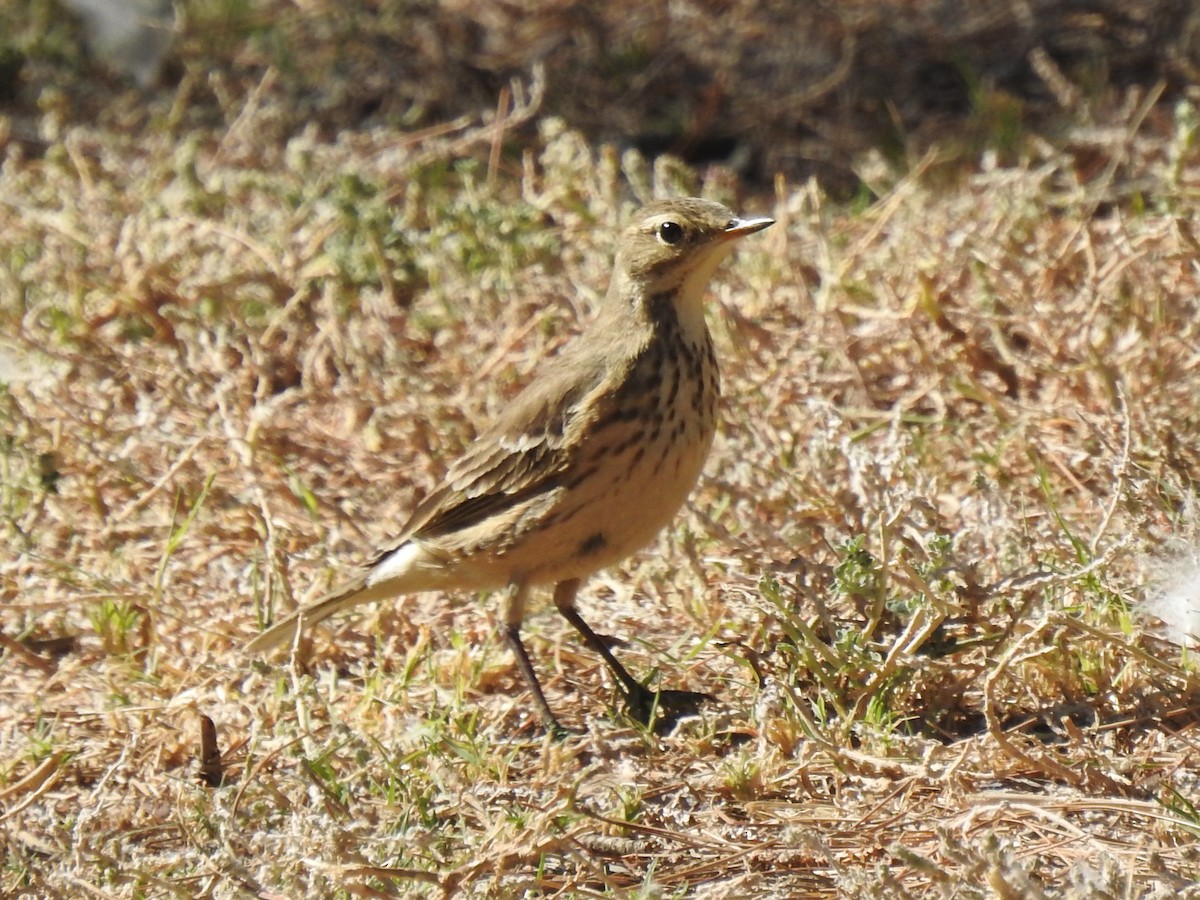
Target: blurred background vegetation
[{"x": 761, "y": 86}]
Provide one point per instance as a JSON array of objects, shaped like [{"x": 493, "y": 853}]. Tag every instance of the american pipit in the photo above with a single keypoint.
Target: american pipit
[{"x": 589, "y": 462}]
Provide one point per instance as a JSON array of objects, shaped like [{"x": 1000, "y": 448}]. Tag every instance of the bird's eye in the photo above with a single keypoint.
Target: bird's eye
[{"x": 670, "y": 232}]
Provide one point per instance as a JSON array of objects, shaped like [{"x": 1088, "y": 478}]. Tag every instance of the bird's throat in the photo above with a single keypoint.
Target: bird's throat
[{"x": 688, "y": 297}]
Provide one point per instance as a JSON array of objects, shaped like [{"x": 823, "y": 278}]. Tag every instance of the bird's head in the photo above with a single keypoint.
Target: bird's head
[{"x": 674, "y": 246}]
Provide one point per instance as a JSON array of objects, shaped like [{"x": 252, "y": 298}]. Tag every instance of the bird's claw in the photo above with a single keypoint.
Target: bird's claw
[{"x": 662, "y": 710}]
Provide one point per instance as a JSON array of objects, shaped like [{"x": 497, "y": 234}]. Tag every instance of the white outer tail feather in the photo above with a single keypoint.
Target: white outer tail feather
[{"x": 400, "y": 572}]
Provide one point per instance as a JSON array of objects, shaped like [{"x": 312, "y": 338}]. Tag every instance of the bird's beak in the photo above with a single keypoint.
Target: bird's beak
[{"x": 739, "y": 228}]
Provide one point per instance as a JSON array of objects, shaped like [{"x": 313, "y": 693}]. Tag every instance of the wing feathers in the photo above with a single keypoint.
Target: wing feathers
[{"x": 526, "y": 453}]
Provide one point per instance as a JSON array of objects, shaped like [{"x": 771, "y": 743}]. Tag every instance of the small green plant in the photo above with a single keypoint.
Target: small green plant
[
  {"x": 741, "y": 773},
  {"x": 630, "y": 803},
  {"x": 179, "y": 531},
  {"x": 855, "y": 575},
  {"x": 118, "y": 625}
]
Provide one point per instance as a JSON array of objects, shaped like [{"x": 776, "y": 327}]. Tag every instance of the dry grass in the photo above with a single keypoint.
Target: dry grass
[{"x": 959, "y": 448}]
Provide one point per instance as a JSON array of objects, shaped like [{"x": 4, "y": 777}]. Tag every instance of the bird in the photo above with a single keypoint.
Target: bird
[{"x": 586, "y": 464}]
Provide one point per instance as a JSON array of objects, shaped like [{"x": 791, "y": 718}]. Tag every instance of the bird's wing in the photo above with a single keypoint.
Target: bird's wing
[{"x": 528, "y": 451}]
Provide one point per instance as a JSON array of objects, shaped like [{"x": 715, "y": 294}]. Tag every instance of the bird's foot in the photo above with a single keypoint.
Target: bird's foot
[
  {"x": 560, "y": 732},
  {"x": 662, "y": 710}
]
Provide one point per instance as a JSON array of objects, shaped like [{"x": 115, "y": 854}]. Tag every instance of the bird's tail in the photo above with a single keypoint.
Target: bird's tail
[{"x": 351, "y": 594}]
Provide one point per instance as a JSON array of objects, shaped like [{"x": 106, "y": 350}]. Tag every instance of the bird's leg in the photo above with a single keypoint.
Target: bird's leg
[
  {"x": 640, "y": 700},
  {"x": 564, "y": 600},
  {"x": 514, "y": 612}
]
